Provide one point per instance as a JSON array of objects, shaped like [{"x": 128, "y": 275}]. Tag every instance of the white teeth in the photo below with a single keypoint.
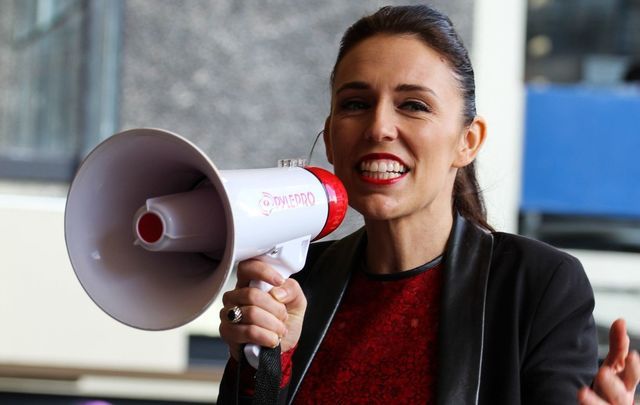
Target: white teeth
[
  {"x": 381, "y": 176},
  {"x": 382, "y": 166},
  {"x": 382, "y": 169}
]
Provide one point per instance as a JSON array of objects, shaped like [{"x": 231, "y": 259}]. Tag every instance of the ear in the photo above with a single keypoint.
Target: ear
[
  {"x": 326, "y": 135},
  {"x": 471, "y": 140}
]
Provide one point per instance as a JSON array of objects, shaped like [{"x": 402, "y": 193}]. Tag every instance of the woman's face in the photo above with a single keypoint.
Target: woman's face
[{"x": 396, "y": 134}]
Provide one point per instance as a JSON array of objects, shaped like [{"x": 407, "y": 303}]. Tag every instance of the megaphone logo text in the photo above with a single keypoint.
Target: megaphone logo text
[{"x": 270, "y": 203}]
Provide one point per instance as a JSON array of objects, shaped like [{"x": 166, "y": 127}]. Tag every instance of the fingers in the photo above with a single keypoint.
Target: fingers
[
  {"x": 257, "y": 270},
  {"x": 619, "y": 375},
  {"x": 248, "y": 297},
  {"x": 610, "y": 387},
  {"x": 252, "y": 315},
  {"x": 257, "y": 326},
  {"x": 631, "y": 373},
  {"x": 618, "y": 345},
  {"x": 262, "y": 320},
  {"x": 586, "y": 396}
]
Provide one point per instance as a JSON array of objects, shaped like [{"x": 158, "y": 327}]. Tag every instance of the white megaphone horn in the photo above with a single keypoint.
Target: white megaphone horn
[{"x": 153, "y": 228}]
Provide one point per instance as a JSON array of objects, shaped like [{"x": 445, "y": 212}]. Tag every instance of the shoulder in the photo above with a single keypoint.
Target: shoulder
[
  {"x": 513, "y": 249},
  {"x": 538, "y": 265}
]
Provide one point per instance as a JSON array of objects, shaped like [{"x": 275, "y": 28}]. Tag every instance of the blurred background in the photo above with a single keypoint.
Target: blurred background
[{"x": 247, "y": 81}]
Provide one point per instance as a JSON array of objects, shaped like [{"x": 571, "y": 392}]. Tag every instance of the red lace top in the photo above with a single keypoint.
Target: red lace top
[{"x": 382, "y": 344}]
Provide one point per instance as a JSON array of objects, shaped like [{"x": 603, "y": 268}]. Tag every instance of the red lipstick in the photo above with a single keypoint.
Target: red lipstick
[
  {"x": 375, "y": 156},
  {"x": 372, "y": 177}
]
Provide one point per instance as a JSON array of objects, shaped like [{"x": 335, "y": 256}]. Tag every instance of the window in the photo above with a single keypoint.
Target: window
[
  {"x": 582, "y": 41},
  {"x": 59, "y": 84}
]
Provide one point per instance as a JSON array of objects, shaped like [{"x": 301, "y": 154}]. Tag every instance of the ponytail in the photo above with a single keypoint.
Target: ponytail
[{"x": 467, "y": 197}]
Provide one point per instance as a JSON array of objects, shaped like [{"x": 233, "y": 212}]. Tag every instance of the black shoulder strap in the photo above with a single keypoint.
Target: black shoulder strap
[{"x": 268, "y": 377}]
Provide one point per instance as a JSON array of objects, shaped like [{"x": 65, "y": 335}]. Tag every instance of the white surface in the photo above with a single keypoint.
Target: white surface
[
  {"x": 615, "y": 278},
  {"x": 610, "y": 269},
  {"x": 196, "y": 391},
  {"x": 119, "y": 387},
  {"x": 498, "y": 60}
]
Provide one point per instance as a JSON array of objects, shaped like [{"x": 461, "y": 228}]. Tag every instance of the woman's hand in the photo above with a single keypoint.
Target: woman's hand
[
  {"x": 267, "y": 318},
  {"x": 618, "y": 377}
]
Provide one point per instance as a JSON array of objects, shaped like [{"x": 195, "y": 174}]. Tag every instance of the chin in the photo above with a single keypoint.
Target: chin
[{"x": 371, "y": 209}]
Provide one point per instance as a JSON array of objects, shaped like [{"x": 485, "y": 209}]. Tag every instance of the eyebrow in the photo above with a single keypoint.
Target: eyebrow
[
  {"x": 415, "y": 87},
  {"x": 400, "y": 88},
  {"x": 353, "y": 85}
]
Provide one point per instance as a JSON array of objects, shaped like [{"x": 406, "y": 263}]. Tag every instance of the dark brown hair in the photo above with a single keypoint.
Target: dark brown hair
[{"x": 436, "y": 30}]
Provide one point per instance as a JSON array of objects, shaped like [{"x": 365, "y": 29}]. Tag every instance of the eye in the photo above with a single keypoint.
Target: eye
[
  {"x": 354, "y": 105},
  {"x": 415, "y": 106}
]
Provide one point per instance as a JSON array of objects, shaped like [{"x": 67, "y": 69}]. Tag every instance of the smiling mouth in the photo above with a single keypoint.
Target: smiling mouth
[{"x": 381, "y": 169}]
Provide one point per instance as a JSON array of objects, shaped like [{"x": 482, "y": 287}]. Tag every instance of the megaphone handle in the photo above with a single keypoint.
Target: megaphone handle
[{"x": 286, "y": 258}]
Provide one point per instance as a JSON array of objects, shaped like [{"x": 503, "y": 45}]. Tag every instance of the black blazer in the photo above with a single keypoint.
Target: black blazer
[{"x": 516, "y": 322}]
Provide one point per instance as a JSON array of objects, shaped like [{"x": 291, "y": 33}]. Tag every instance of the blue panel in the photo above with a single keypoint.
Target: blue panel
[{"x": 582, "y": 151}]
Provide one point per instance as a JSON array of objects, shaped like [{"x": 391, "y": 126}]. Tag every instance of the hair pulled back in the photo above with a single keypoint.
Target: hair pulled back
[{"x": 436, "y": 30}]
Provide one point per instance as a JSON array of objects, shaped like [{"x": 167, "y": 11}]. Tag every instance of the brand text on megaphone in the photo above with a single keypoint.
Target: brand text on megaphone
[{"x": 272, "y": 203}]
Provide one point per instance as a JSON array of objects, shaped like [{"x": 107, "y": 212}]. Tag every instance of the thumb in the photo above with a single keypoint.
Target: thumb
[
  {"x": 618, "y": 346},
  {"x": 291, "y": 295}
]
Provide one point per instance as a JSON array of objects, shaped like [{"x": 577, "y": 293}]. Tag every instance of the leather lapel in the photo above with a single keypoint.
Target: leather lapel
[
  {"x": 461, "y": 330},
  {"x": 324, "y": 288}
]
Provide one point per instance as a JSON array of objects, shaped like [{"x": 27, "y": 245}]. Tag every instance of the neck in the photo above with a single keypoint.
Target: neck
[{"x": 404, "y": 244}]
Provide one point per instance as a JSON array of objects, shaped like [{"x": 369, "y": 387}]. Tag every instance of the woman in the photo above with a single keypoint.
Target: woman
[{"x": 426, "y": 303}]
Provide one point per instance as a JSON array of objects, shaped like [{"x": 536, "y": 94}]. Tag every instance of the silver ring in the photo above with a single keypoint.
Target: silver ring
[{"x": 234, "y": 314}]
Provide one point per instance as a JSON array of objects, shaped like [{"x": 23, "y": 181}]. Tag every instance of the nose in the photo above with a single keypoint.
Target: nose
[{"x": 382, "y": 127}]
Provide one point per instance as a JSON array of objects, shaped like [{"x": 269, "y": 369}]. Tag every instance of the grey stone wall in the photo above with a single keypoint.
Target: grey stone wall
[{"x": 246, "y": 80}]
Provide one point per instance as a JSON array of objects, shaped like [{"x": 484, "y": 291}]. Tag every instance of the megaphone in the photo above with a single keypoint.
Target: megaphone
[{"x": 153, "y": 228}]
